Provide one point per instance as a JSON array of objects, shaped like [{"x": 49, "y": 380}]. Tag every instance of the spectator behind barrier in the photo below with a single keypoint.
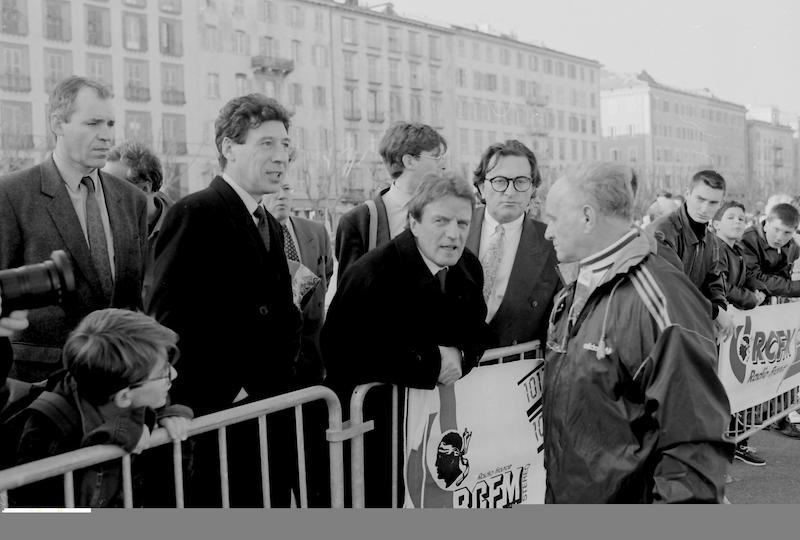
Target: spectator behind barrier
[{"x": 119, "y": 368}]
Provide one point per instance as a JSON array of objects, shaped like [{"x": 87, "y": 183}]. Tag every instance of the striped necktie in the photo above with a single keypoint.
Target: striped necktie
[{"x": 98, "y": 247}]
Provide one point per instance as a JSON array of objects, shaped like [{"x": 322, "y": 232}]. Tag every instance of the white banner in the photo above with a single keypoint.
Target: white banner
[
  {"x": 477, "y": 443},
  {"x": 760, "y": 360}
]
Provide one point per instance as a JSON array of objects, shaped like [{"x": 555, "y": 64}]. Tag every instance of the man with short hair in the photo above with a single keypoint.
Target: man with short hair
[
  {"x": 410, "y": 151},
  {"x": 519, "y": 265},
  {"x": 67, "y": 203},
  {"x": 686, "y": 231},
  {"x": 410, "y": 313},
  {"x": 633, "y": 409},
  {"x": 221, "y": 281},
  {"x": 135, "y": 162}
]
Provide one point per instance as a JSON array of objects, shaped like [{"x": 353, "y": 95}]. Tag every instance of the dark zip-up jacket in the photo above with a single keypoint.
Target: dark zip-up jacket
[
  {"x": 771, "y": 268},
  {"x": 699, "y": 256},
  {"x": 739, "y": 286},
  {"x": 633, "y": 409},
  {"x": 352, "y": 234}
]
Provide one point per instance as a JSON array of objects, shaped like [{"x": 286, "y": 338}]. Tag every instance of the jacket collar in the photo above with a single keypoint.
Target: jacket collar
[{"x": 416, "y": 268}]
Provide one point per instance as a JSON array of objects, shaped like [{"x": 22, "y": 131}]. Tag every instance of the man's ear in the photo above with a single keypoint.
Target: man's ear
[
  {"x": 481, "y": 198},
  {"x": 122, "y": 398},
  {"x": 409, "y": 161},
  {"x": 413, "y": 225},
  {"x": 227, "y": 149},
  {"x": 56, "y": 125},
  {"x": 589, "y": 217}
]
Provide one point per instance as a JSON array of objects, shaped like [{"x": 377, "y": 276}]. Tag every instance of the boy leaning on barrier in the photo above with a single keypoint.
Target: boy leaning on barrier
[
  {"x": 118, "y": 370},
  {"x": 729, "y": 223}
]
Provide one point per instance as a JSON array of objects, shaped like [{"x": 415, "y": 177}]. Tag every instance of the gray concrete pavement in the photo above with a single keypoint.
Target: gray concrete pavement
[{"x": 776, "y": 482}]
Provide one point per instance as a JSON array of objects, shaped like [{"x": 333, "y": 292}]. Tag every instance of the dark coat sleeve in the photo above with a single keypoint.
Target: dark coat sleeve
[
  {"x": 691, "y": 410},
  {"x": 351, "y": 243},
  {"x": 771, "y": 284}
]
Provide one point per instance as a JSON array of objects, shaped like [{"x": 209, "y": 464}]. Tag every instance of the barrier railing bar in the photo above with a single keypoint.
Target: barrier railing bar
[
  {"x": 357, "y": 444},
  {"x": 222, "y": 443},
  {"x": 263, "y": 452},
  {"x": 177, "y": 467},
  {"x": 127, "y": 484},
  {"x": 335, "y": 450},
  {"x": 69, "y": 490},
  {"x": 85, "y": 457},
  {"x": 301, "y": 455},
  {"x": 512, "y": 350},
  {"x": 395, "y": 430}
]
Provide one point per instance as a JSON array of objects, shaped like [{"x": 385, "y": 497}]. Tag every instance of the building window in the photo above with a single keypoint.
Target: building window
[
  {"x": 135, "y": 3},
  {"x": 238, "y": 8},
  {"x": 172, "y": 89},
  {"x": 394, "y": 40},
  {"x": 477, "y": 139},
  {"x": 14, "y": 68},
  {"x": 170, "y": 6},
  {"x": 174, "y": 134},
  {"x": 436, "y": 85},
  {"x": 349, "y": 30},
  {"x": 350, "y": 69},
  {"x": 266, "y": 11},
  {"x": 414, "y": 46},
  {"x": 296, "y": 95},
  {"x": 489, "y": 53},
  {"x": 241, "y": 43},
  {"x": 319, "y": 21},
  {"x": 14, "y": 17},
  {"x": 98, "y": 26},
  {"x": 559, "y": 69},
  {"x": 57, "y": 22},
  {"x": 268, "y": 46},
  {"x": 520, "y": 61},
  {"x": 395, "y": 106},
  {"x": 296, "y": 52},
  {"x": 548, "y": 66},
  {"x": 320, "y": 56},
  {"x": 295, "y": 16},
  {"x": 137, "y": 80},
  {"x": 571, "y": 72},
  {"x": 138, "y": 127},
  {"x": 462, "y": 49},
  {"x": 57, "y": 66},
  {"x": 352, "y": 105},
  {"x": 461, "y": 78},
  {"x": 373, "y": 35},
  {"x": 211, "y": 39},
  {"x": 16, "y": 125},
  {"x": 98, "y": 67},
  {"x": 415, "y": 106},
  {"x": 212, "y": 85},
  {"x": 170, "y": 37},
  {"x": 374, "y": 106},
  {"x": 351, "y": 140},
  {"x": 435, "y": 47},
  {"x": 415, "y": 78},
  {"x": 476, "y": 51},
  {"x": 394, "y": 72},
  {"x": 436, "y": 111},
  {"x": 134, "y": 31},
  {"x": 463, "y": 142},
  {"x": 373, "y": 69},
  {"x": 533, "y": 63},
  {"x": 318, "y": 94},
  {"x": 505, "y": 57},
  {"x": 242, "y": 85}
]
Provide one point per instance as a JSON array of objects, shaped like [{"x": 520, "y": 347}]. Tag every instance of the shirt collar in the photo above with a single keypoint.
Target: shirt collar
[
  {"x": 432, "y": 266},
  {"x": 71, "y": 177},
  {"x": 247, "y": 199},
  {"x": 510, "y": 227},
  {"x": 397, "y": 195}
]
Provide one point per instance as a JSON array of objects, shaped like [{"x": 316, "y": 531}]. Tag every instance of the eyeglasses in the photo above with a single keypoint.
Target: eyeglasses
[
  {"x": 500, "y": 183},
  {"x": 439, "y": 157},
  {"x": 172, "y": 356}
]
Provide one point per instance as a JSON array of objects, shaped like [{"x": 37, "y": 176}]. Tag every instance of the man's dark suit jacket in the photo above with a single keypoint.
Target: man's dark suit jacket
[
  {"x": 523, "y": 314},
  {"x": 314, "y": 245},
  {"x": 352, "y": 234},
  {"x": 228, "y": 298},
  {"x": 36, "y": 218},
  {"x": 385, "y": 324}
]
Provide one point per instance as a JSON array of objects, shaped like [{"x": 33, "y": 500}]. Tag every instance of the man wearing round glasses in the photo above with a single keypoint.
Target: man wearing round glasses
[{"x": 519, "y": 265}]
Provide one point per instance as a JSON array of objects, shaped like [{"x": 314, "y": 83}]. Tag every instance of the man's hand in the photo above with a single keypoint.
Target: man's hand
[
  {"x": 723, "y": 325},
  {"x": 176, "y": 426},
  {"x": 451, "y": 365},
  {"x": 144, "y": 441},
  {"x": 760, "y": 296},
  {"x": 16, "y": 321}
]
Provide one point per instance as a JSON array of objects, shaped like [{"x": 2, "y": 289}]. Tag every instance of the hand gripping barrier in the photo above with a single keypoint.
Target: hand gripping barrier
[
  {"x": 66, "y": 464},
  {"x": 356, "y": 427}
]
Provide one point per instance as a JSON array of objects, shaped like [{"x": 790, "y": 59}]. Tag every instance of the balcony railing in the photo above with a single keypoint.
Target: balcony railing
[
  {"x": 272, "y": 65},
  {"x": 16, "y": 141},
  {"x": 137, "y": 93},
  {"x": 352, "y": 115},
  {"x": 15, "y": 82},
  {"x": 376, "y": 116},
  {"x": 172, "y": 96}
]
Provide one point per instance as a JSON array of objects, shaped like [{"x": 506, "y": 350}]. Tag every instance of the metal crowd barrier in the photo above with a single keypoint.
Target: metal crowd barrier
[
  {"x": 358, "y": 427},
  {"x": 66, "y": 464},
  {"x": 754, "y": 419}
]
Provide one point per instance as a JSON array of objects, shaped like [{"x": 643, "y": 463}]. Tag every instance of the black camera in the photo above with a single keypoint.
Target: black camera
[{"x": 36, "y": 285}]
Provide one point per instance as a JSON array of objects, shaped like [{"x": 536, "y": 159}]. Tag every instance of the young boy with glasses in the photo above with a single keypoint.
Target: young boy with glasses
[{"x": 118, "y": 371}]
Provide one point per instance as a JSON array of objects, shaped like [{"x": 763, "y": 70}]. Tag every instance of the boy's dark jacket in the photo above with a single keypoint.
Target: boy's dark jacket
[
  {"x": 98, "y": 486},
  {"x": 771, "y": 268}
]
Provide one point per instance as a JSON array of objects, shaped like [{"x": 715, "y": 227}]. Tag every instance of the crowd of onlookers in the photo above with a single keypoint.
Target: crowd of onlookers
[{"x": 231, "y": 281}]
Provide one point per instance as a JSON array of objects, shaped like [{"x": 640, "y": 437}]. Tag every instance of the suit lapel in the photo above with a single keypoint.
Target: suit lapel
[
  {"x": 474, "y": 236},
  {"x": 305, "y": 243},
  {"x": 66, "y": 221},
  {"x": 241, "y": 219},
  {"x": 527, "y": 266},
  {"x": 121, "y": 227}
]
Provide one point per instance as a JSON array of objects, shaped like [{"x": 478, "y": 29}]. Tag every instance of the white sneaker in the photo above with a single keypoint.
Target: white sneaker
[{"x": 794, "y": 417}]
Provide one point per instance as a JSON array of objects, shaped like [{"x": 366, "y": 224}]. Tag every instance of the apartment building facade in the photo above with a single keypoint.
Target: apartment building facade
[
  {"x": 770, "y": 152},
  {"x": 667, "y": 134}
]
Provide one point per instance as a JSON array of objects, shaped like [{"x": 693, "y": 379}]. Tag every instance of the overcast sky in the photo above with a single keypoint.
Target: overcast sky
[{"x": 747, "y": 52}]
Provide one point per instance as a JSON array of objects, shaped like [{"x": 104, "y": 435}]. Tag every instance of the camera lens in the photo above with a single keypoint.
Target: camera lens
[{"x": 36, "y": 285}]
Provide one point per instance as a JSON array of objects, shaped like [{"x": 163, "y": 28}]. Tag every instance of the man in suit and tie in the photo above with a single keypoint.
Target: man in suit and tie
[
  {"x": 519, "y": 264},
  {"x": 221, "y": 281},
  {"x": 308, "y": 243},
  {"x": 67, "y": 203}
]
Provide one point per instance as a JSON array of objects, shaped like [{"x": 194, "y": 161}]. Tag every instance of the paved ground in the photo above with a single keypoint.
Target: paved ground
[{"x": 776, "y": 482}]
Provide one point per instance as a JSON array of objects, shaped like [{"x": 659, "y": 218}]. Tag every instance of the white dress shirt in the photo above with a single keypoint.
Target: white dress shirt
[
  {"x": 395, "y": 201},
  {"x": 77, "y": 195},
  {"x": 247, "y": 199},
  {"x": 513, "y": 232}
]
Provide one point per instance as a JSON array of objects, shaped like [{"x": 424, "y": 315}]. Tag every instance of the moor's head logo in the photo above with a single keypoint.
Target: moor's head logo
[{"x": 452, "y": 464}]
